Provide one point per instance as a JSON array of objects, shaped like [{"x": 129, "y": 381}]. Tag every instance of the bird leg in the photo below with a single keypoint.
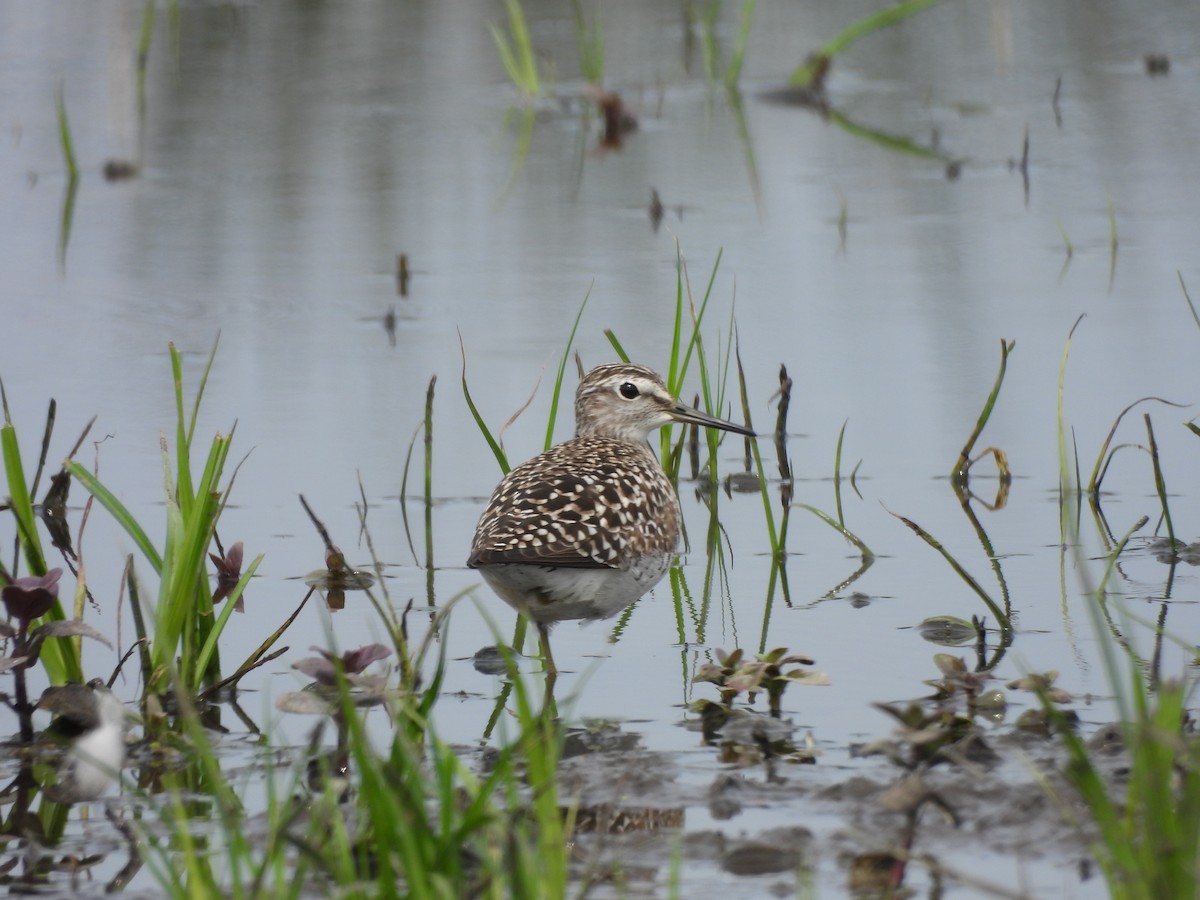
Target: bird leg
[{"x": 544, "y": 634}]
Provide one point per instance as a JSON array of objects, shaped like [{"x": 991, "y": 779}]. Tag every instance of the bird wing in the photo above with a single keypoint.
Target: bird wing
[{"x": 544, "y": 518}]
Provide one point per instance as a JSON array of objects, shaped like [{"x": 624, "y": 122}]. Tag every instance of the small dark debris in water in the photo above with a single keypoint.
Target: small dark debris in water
[
  {"x": 1157, "y": 64},
  {"x": 402, "y": 274},
  {"x": 489, "y": 661},
  {"x": 858, "y": 600},
  {"x": 1022, "y": 166},
  {"x": 656, "y": 210},
  {"x": 618, "y": 120},
  {"x": 389, "y": 325},
  {"x": 120, "y": 170},
  {"x": 953, "y": 169}
]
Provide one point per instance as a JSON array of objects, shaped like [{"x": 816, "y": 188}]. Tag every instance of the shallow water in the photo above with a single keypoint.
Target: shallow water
[{"x": 289, "y": 153}]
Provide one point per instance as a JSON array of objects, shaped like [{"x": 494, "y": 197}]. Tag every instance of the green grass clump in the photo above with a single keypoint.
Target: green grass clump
[
  {"x": 183, "y": 640},
  {"x": 1147, "y": 823},
  {"x": 411, "y": 820},
  {"x": 1148, "y": 840}
]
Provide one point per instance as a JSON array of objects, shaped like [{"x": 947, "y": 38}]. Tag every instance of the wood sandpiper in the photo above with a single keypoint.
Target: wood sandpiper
[{"x": 586, "y": 528}]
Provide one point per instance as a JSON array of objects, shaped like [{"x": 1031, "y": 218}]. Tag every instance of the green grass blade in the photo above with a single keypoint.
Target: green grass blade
[
  {"x": 19, "y": 500},
  {"x": 118, "y": 511},
  {"x": 64, "y": 135},
  {"x": 205, "y": 657},
  {"x": 803, "y": 75},
  {"x": 995, "y": 609},
  {"x": 1188, "y": 297},
  {"x": 1160, "y": 484},
  {"x": 562, "y": 367},
  {"x": 840, "y": 529},
  {"x": 497, "y": 450},
  {"x": 59, "y": 656},
  {"x": 959, "y": 473},
  {"x": 616, "y": 345},
  {"x": 733, "y": 71}
]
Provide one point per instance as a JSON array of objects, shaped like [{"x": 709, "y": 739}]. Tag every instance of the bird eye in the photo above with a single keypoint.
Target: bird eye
[{"x": 629, "y": 390}]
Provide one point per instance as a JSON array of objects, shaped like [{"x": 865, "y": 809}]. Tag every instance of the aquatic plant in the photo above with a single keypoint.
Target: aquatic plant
[
  {"x": 1147, "y": 828},
  {"x": 1148, "y": 842},
  {"x": 410, "y": 820},
  {"x": 734, "y": 673},
  {"x": 810, "y": 75},
  {"x": 962, "y": 466}
]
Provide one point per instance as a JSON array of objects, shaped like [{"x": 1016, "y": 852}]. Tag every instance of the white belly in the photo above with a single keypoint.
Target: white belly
[{"x": 555, "y": 594}]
